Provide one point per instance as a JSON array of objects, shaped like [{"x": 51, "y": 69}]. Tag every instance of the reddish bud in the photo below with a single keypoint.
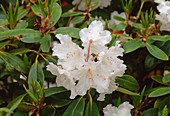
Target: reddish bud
[{"x": 64, "y": 3}]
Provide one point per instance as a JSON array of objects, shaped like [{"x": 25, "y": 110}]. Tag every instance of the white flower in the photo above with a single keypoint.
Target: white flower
[
  {"x": 70, "y": 54},
  {"x": 79, "y": 70},
  {"x": 102, "y": 3},
  {"x": 159, "y": 1},
  {"x": 164, "y": 16},
  {"x": 91, "y": 75},
  {"x": 113, "y": 21},
  {"x": 63, "y": 78},
  {"x": 123, "y": 110},
  {"x": 111, "y": 63},
  {"x": 95, "y": 34}
]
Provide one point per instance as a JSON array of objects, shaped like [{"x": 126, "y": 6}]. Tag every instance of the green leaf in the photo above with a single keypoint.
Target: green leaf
[
  {"x": 20, "y": 114},
  {"x": 151, "y": 62},
  {"x": 161, "y": 102},
  {"x": 132, "y": 45},
  {"x": 165, "y": 48},
  {"x": 68, "y": 14},
  {"x": 48, "y": 111},
  {"x": 128, "y": 82},
  {"x": 54, "y": 90},
  {"x": 165, "y": 111},
  {"x": 3, "y": 22},
  {"x": 22, "y": 25},
  {"x": 9, "y": 66},
  {"x": 71, "y": 31},
  {"x": 159, "y": 38},
  {"x": 5, "y": 110},
  {"x": 156, "y": 52},
  {"x": 118, "y": 18},
  {"x": 19, "y": 51},
  {"x": 158, "y": 79},
  {"x": 26, "y": 107},
  {"x": 16, "y": 32},
  {"x": 37, "y": 10},
  {"x": 166, "y": 78},
  {"x": 36, "y": 74},
  {"x": 91, "y": 110},
  {"x": 3, "y": 44},
  {"x": 125, "y": 91},
  {"x": 57, "y": 102},
  {"x": 94, "y": 5},
  {"x": 76, "y": 108},
  {"x": 77, "y": 20},
  {"x": 60, "y": 102},
  {"x": 160, "y": 92},
  {"x": 45, "y": 43},
  {"x": 150, "y": 112},
  {"x": 14, "y": 103},
  {"x": 118, "y": 27},
  {"x": 22, "y": 13},
  {"x": 32, "y": 37},
  {"x": 17, "y": 63},
  {"x": 55, "y": 14},
  {"x": 30, "y": 94},
  {"x": 137, "y": 25},
  {"x": 124, "y": 36}
]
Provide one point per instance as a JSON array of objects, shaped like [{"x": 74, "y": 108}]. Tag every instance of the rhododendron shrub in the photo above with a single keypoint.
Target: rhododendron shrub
[{"x": 84, "y": 57}]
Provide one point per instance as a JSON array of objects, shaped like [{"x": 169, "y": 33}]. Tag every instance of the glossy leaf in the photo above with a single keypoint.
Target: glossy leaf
[
  {"x": 9, "y": 66},
  {"x": 118, "y": 27},
  {"x": 17, "y": 63},
  {"x": 36, "y": 74},
  {"x": 150, "y": 112},
  {"x": 132, "y": 45},
  {"x": 14, "y": 103},
  {"x": 19, "y": 51},
  {"x": 159, "y": 38},
  {"x": 54, "y": 90},
  {"x": 21, "y": 25},
  {"x": 45, "y": 43},
  {"x": 128, "y": 82},
  {"x": 68, "y": 14},
  {"x": 118, "y": 18},
  {"x": 5, "y": 110},
  {"x": 156, "y": 52},
  {"x": 125, "y": 91},
  {"x": 20, "y": 114},
  {"x": 91, "y": 110},
  {"x": 166, "y": 78},
  {"x": 32, "y": 37},
  {"x": 151, "y": 62},
  {"x": 30, "y": 94},
  {"x": 21, "y": 13},
  {"x": 55, "y": 14},
  {"x": 77, "y": 20},
  {"x": 158, "y": 79},
  {"x": 165, "y": 111},
  {"x": 76, "y": 108},
  {"x": 71, "y": 31},
  {"x": 160, "y": 92},
  {"x": 16, "y": 32},
  {"x": 26, "y": 107}
]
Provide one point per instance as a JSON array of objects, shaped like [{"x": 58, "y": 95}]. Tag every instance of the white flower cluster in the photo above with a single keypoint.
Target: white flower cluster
[
  {"x": 113, "y": 21},
  {"x": 123, "y": 110},
  {"x": 102, "y": 3},
  {"x": 164, "y": 16},
  {"x": 95, "y": 66}
]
